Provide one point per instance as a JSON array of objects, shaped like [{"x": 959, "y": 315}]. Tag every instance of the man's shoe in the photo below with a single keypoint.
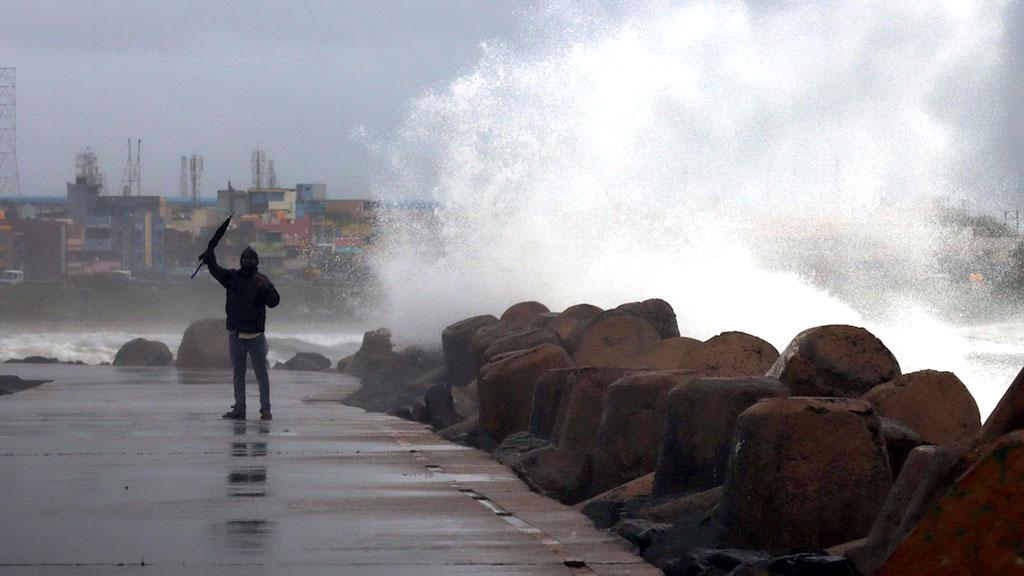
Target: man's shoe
[
  {"x": 265, "y": 415},
  {"x": 234, "y": 415}
]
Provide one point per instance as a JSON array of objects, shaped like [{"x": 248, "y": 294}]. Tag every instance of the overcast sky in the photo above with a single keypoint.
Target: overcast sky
[
  {"x": 218, "y": 78},
  {"x": 297, "y": 78}
]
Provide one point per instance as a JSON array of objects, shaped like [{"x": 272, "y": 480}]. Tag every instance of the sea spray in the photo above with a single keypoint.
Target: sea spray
[{"x": 715, "y": 155}]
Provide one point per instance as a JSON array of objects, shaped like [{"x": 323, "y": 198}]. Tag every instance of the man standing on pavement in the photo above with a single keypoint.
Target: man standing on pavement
[{"x": 249, "y": 293}]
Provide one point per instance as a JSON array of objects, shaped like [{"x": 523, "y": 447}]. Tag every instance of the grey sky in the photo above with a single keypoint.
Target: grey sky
[
  {"x": 297, "y": 78},
  {"x": 218, "y": 78}
]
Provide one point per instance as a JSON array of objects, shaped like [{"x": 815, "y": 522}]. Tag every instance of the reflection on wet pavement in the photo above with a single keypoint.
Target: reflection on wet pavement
[
  {"x": 244, "y": 535},
  {"x": 247, "y": 480}
]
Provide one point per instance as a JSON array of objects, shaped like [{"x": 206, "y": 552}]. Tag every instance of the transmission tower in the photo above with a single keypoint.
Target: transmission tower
[
  {"x": 9, "y": 182},
  {"x": 131, "y": 182},
  {"x": 259, "y": 167},
  {"x": 183, "y": 190},
  {"x": 195, "y": 171},
  {"x": 87, "y": 167},
  {"x": 271, "y": 175}
]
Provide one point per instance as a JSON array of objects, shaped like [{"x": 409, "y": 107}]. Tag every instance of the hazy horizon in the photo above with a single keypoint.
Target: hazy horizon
[
  {"x": 321, "y": 87},
  {"x": 314, "y": 84}
]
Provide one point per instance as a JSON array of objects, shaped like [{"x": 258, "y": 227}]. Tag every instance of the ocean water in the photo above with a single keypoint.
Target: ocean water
[
  {"x": 94, "y": 346},
  {"x": 988, "y": 355}
]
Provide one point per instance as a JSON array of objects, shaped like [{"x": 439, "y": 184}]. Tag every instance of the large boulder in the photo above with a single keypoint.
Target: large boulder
[
  {"x": 308, "y": 362},
  {"x": 573, "y": 318},
  {"x": 377, "y": 343},
  {"x": 583, "y": 311},
  {"x": 489, "y": 334},
  {"x": 616, "y": 342},
  {"x": 671, "y": 509},
  {"x": 517, "y": 446},
  {"x": 529, "y": 313},
  {"x": 977, "y": 526},
  {"x": 834, "y": 360},
  {"x": 934, "y": 404},
  {"x": 926, "y": 474},
  {"x": 561, "y": 475},
  {"x": 805, "y": 472},
  {"x": 576, "y": 430},
  {"x": 657, "y": 312},
  {"x": 695, "y": 446},
  {"x": 548, "y": 392},
  {"x": 695, "y": 526},
  {"x": 521, "y": 340},
  {"x": 551, "y": 396},
  {"x": 563, "y": 327},
  {"x": 930, "y": 471},
  {"x": 900, "y": 441},
  {"x": 605, "y": 509},
  {"x": 506, "y": 386},
  {"x": 204, "y": 346},
  {"x": 466, "y": 400},
  {"x": 564, "y": 472},
  {"x": 11, "y": 384},
  {"x": 374, "y": 359},
  {"x": 456, "y": 343},
  {"x": 142, "y": 352},
  {"x": 468, "y": 433},
  {"x": 667, "y": 353},
  {"x": 440, "y": 407},
  {"x": 731, "y": 354},
  {"x": 631, "y": 426}
]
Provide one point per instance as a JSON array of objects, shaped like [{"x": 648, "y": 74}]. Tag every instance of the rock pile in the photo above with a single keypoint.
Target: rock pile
[{"x": 725, "y": 456}]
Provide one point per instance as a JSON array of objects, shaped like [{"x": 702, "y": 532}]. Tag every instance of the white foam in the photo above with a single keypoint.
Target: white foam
[{"x": 666, "y": 153}]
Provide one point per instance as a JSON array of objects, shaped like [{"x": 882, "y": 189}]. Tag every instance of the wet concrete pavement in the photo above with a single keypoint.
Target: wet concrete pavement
[{"x": 110, "y": 470}]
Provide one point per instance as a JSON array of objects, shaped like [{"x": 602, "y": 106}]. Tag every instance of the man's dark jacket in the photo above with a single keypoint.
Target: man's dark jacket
[{"x": 249, "y": 295}]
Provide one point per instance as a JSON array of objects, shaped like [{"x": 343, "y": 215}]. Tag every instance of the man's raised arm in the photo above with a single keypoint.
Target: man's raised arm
[{"x": 216, "y": 271}]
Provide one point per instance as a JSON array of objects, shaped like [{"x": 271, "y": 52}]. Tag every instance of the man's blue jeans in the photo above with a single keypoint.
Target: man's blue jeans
[{"x": 255, "y": 348}]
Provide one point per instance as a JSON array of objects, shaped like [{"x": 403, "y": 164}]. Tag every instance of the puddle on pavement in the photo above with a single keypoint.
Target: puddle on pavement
[
  {"x": 244, "y": 535},
  {"x": 248, "y": 480},
  {"x": 251, "y": 449}
]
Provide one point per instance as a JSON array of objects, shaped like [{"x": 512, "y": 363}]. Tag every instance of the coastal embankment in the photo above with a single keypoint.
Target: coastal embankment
[{"x": 723, "y": 456}]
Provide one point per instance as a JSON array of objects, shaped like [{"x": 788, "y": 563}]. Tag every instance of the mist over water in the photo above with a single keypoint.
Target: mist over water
[{"x": 714, "y": 154}]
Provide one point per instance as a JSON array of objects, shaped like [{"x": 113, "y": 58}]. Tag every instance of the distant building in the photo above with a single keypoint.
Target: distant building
[
  {"x": 309, "y": 192},
  {"x": 311, "y": 199},
  {"x": 26, "y": 207},
  {"x": 360, "y": 209},
  {"x": 181, "y": 248},
  {"x": 133, "y": 229},
  {"x": 8, "y": 257},
  {"x": 232, "y": 200},
  {"x": 43, "y": 245},
  {"x": 193, "y": 218},
  {"x": 272, "y": 201},
  {"x": 80, "y": 197}
]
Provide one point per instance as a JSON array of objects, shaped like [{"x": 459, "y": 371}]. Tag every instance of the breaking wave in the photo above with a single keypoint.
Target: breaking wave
[{"x": 721, "y": 155}]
